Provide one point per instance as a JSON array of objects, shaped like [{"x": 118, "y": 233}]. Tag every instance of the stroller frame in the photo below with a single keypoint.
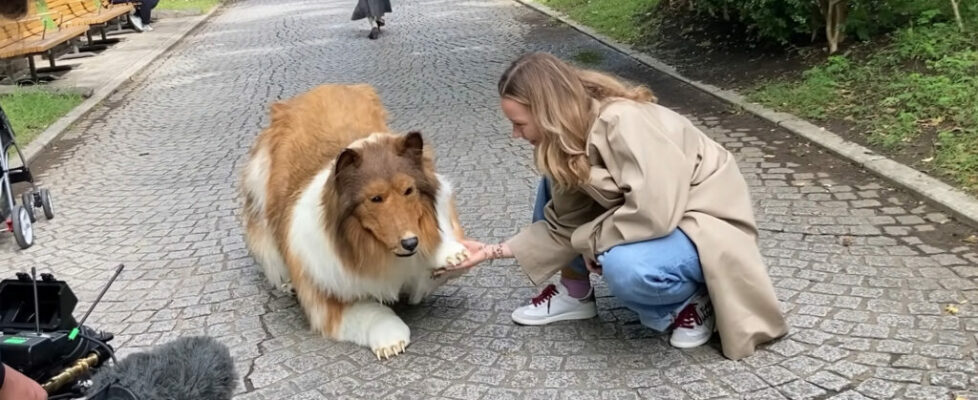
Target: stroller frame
[{"x": 19, "y": 218}]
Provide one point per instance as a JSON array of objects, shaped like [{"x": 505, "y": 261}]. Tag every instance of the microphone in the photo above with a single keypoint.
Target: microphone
[{"x": 189, "y": 368}]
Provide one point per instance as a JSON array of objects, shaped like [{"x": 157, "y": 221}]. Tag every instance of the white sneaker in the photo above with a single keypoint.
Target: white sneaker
[
  {"x": 137, "y": 24},
  {"x": 555, "y": 304},
  {"x": 694, "y": 323}
]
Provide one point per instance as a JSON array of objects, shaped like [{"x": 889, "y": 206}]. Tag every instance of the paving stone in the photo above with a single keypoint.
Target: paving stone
[
  {"x": 802, "y": 390},
  {"x": 849, "y": 395},
  {"x": 954, "y": 380},
  {"x": 744, "y": 382},
  {"x": 776, "y": 375},
  {"x": 829, "y": 381},
  {"x": 878, "y": 388}
]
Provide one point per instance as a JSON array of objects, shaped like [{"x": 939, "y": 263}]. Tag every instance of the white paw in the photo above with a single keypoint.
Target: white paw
[
  {"x": 389, "y": 337},
  {"x": 287, "y": 288},
  {"x": 450, "y": 254}
]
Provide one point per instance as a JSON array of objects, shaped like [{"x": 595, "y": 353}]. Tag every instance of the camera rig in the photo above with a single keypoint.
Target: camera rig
[{"x": 40, "y": 338}]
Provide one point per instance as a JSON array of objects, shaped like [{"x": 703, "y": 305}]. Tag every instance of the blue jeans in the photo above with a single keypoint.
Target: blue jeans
[{"x": 654, "y": 278}]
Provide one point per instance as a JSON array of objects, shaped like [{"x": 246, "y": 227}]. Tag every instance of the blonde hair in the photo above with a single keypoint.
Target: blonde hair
[{"x": 559, "y": 97}]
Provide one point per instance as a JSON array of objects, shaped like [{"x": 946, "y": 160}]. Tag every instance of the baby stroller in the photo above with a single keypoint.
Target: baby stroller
[{"x": 19, "y": 217}]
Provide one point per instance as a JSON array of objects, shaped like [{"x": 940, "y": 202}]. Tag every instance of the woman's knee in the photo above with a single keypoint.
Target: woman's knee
[
  {"x": 637, "y": 275},
  {"x": 628, "y": 275}
]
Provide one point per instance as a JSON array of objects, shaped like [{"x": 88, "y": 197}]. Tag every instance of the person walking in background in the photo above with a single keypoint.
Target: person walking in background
[{"x": 373, "y": 11}]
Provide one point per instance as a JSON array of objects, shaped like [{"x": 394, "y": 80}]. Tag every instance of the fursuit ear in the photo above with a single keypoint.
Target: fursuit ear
[
  {"x": 412, "y": 146},
  {"x": 349, "y": 158}
]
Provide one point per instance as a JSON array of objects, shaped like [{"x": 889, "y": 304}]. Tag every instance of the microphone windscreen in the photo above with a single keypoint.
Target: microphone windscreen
[{"x": 188, "y": 368}]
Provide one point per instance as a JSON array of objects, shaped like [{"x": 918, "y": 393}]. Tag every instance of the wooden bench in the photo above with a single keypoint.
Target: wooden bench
[
  {"x": 94, "y": 13},
  {"x": 37, "y": 34}
]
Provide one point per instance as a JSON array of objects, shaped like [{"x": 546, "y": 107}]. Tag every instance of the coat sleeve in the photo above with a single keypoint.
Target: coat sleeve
[
  {"x": 651, "y": 171},
  {"x": 544, "y": 247}
]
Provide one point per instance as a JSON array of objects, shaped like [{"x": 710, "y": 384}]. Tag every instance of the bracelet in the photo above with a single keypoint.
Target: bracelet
[{"x": 495, "y": 251}]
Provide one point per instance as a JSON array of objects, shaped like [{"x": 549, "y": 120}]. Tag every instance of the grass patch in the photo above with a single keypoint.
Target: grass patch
[
  {"x": 588, "y": 57},
  {"x": 620, "y": 19},
  {"x": 201, "y": 6},
  {"x": 31, "y": 111},
  {"x": 919, "y": 88}
]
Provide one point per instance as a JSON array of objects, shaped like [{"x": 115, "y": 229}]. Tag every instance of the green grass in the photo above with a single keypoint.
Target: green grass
[
  {"x": 202, "y": 6},
  {"x": 922, "y": 86},
  {"x": 32, "y": 111},
  {"x": 620, "y": 19}
]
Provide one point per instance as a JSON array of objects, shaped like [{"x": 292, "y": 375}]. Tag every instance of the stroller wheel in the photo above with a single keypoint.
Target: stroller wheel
[
  {"x": 27, "y": 200},
  {"x": 46, "y": 203},
  {"x": 23, "y": 229}
]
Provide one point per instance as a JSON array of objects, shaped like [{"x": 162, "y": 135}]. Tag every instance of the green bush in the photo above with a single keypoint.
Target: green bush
[
  {"x": 780, "y": 20},
  {"x": 794, "y": 21}
]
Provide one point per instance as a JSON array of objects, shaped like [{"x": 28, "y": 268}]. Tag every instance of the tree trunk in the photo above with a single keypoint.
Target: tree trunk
[
  {"x": 957, "y": 14},
  {"x": 835, "y": 12}
]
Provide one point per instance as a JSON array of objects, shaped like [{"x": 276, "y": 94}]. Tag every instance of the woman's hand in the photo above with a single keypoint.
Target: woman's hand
[
  {"x": 16, "y": 386},
  {"x": 471, "y": 245},
  {"x": 478, "y": 252}
]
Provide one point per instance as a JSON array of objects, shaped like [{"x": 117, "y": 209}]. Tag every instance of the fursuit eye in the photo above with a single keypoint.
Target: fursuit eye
[
  {"x": 408, "y": 191},
  {"x": 376, "y": 199}
]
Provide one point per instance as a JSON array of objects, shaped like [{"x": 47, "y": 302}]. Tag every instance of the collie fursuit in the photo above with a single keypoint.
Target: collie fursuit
[{"x": 348, "y": 215}]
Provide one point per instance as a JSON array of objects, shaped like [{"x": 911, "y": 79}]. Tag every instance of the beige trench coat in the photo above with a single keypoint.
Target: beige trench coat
[{"x": 653, "y": 171}]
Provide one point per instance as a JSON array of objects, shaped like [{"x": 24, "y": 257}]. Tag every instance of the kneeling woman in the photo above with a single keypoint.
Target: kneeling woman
[{"x": 635, "y": 192}]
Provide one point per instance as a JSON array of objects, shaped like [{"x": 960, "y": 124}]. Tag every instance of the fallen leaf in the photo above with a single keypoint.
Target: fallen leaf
[
  {"x": 951, "y": 309},
  {"x": 960, "y": 398},
  {"x": 847, "y": 241},
  {"x": 928, "y": 159},
  {"x": 971, "y": 239},
  {"x": 931, "y": 121}
]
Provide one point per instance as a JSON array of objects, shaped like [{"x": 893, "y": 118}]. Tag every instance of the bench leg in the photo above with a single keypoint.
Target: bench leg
[
  {"x": 91, "y": 45},
  {"x": 60, "y": 68},
  {"x": 36, "y": 77},
  {"x": 99, "y": 44},
  {"x": 75, "y": 53},
  {"x": 33, "y": 67}
]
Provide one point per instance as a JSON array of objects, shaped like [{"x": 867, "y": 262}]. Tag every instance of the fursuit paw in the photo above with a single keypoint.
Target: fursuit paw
[
  {"x": 389, "y": 338},
  {"x": 287, "y": 288},
  {"x": 450, "y": 255},
  {"x": 387, "y": 352}
]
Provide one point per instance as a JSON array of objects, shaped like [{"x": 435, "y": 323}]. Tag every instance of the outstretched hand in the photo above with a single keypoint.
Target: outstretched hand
[{"x": 478, "y": 252}]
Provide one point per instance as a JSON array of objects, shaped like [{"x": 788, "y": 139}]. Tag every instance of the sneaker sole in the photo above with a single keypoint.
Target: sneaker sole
[
  {"x": 690, "y": 345},
  {"x": 556, "y": 318}
]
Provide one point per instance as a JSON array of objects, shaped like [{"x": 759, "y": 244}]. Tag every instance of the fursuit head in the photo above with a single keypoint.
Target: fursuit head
[{"x": 348, "y": 215}]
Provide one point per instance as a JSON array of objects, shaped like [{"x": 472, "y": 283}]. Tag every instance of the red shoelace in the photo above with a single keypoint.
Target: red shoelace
[
  {"x": 547, "y": 293},
  {"x": 688, "y": 318}
]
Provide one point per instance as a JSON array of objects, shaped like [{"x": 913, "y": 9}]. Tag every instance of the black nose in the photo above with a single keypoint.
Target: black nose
[{"x": 409, "y": 244}]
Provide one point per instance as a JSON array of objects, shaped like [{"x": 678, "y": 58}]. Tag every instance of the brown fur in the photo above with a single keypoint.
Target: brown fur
[{"x": 311, "y": 130}]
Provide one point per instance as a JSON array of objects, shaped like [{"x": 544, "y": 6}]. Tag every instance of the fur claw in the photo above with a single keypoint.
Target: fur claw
[
  {"x": 389, "y": 352},
  {"x": 457, "y": 259}
]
